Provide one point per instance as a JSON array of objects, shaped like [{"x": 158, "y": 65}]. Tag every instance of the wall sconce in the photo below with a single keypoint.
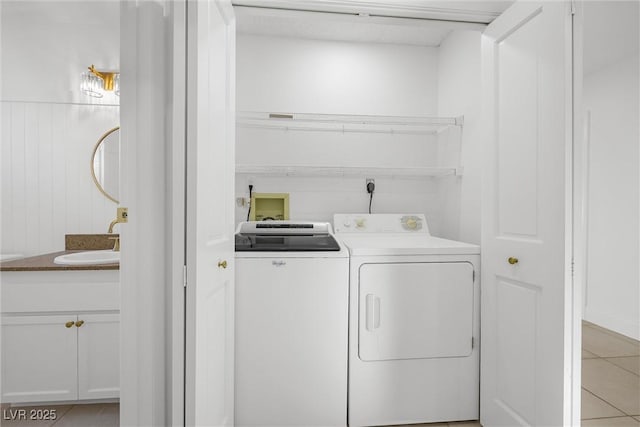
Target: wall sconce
[{"x": 95, "y": 83}]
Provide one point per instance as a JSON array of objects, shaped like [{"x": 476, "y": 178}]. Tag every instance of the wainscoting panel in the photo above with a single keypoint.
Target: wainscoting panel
[{"x": 47, "y": 190}]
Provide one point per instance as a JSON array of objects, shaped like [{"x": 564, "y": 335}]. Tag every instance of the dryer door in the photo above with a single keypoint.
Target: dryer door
[{"x": 415, "y": 310}]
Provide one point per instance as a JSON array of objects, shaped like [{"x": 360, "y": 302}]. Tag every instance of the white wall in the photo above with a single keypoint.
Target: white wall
[
  {"x": 46, "y": 45},
  {"x": 49, "y": 128},
  {"x": 459, "y": 90},
  {"x": 312, "y": 76},
  {"x": 316, "y": 76},
  {"x": 612, "y": 294},
  {"x": 47, "y": 190}
]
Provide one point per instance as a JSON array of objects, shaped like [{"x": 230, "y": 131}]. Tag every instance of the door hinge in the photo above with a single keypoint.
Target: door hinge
[
  {"x": 573, "y": 267},
  {"x": 184, "y": 276}
]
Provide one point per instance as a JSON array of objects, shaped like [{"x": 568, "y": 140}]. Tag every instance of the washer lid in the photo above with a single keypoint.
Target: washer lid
[{"x": 402, "y": 244}]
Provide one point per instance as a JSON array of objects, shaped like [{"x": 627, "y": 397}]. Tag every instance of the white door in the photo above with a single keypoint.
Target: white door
[
  {"x": 526, "y": 304},
  {"x": 210, "y": 223}
]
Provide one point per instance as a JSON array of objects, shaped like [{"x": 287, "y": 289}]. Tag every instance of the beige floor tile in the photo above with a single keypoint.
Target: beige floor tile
[
  {"x": 594, "y": 407},
  {"x": 612, "y": 384},
  {"x": 612, "y": 422},
  {"x": 23, "y": 416},
  {"x": 630, "y": 363},
  {"x": 96, "y": 415},
  {"x": 422, "y": 425},
  {"x": 605, "y": 344},
  {"x": 588, "y": 355},
  {"x": 637, "y": 418}
]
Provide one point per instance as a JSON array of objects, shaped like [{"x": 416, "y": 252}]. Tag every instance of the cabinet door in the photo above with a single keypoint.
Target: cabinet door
[
  {"x": 39, "y": 358},
  {"x": 98, "y": 356}
]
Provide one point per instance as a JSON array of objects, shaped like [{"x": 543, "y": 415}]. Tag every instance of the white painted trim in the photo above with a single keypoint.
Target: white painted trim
[
  {"x": 400, "y": 9},
  {"x": 579, "y": 214},
  {"x": 579, "y": 191},
  {"x": 143, "y": 277},
  {"x": 175, "y": 182}
]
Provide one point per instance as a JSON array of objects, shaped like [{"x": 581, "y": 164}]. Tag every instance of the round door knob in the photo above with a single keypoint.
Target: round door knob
[
  {"x": 79, "y": 323},
  {"x": 69, "y": 324},
  {"x": 222, "y": 264},
  {"x": 512, "y": 260}
]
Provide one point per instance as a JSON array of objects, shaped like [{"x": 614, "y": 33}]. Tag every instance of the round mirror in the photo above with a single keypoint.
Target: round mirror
[{"x": 105, "y": 164}]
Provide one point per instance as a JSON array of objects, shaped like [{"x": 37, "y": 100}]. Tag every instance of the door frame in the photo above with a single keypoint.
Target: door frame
[
  {"x": 166, "y": 230},
  {"x": 579, "y": 168},
  {"x": 151, "y": 271}
]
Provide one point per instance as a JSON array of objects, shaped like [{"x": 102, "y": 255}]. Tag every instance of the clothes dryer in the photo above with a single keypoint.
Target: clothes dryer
[{"x": 413, "y": 322}]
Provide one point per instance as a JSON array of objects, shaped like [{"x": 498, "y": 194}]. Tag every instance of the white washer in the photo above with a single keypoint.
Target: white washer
[
  {"x": 413, "y": 322},
  {"x": 292, "y": 291}
]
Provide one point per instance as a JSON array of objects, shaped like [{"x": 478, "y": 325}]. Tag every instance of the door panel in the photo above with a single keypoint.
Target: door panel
[
  {"x": 517, "y": 64},
  {"x": 415, "y": 310},
  {"x": 526, "y": 230},
  {"x": 209, "y": 377}
]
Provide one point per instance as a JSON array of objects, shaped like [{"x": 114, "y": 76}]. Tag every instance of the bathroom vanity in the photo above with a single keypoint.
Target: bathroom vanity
[{"x": 60, "y": 331}]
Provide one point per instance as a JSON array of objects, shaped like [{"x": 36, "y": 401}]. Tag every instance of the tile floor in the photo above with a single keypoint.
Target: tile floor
[
  {"x": 91, "y": 415},
  {"x": 610, "y": 378},
  {"x": 610, "y": 390}
]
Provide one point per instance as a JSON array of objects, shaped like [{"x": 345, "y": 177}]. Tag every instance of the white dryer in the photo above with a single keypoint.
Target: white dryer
[{"x": 414, "y": 322}]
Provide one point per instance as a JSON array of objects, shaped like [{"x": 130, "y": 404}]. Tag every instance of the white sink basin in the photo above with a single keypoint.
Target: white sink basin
[{"x": 90, "y": 257}]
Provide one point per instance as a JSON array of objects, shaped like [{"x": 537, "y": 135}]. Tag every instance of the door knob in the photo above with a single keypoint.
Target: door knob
[
  {"x": 79, "y": 323},
  {"x": 69, "y": 324},
  {"x": 512, "y": 260},
  {"x": 222, "y": 264}
]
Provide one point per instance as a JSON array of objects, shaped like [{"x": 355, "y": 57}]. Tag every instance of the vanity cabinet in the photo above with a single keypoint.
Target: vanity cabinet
[
  {"x": 60, "y": 336},
  {"x": 39, "y": 359},
  {"x": 99, "y": 356}
]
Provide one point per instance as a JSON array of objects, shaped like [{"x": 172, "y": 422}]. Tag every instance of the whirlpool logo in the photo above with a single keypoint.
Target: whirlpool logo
[{"x": 278, "y": 263}]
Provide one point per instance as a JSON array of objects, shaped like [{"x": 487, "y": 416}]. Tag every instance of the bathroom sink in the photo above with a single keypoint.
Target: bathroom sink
[{"x": 90, "y": 257}]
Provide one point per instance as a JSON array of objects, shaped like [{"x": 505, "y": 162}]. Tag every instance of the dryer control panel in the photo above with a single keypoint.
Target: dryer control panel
[{"x": 380, "y": 223}]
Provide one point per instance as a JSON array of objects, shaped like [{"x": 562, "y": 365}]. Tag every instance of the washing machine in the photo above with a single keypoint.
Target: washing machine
[
  {"x": 413, "y": 322},
  {"x": 291, "y": 320}
]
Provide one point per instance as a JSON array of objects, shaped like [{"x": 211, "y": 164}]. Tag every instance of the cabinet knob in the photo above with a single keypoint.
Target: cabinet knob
[
  {"x": 222, "y": 264},
  {"x": 69, "y": 324},
  {"x": 512, "y": 260},
  {"x": 79, "y": 323}
]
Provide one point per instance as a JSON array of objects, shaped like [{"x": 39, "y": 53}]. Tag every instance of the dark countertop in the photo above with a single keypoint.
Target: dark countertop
[{"x": 45, "y": 263}]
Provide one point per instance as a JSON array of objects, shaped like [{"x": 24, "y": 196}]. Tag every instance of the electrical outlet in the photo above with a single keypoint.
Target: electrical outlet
[
  {"x": 240, "y": 202},
  {"x": 370, "y": 180}
]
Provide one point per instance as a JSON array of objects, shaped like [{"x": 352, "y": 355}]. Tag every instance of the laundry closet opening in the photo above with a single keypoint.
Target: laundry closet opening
[
  {"x": 349, "y": 118},
  {"x": 326, "y": 101}
]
